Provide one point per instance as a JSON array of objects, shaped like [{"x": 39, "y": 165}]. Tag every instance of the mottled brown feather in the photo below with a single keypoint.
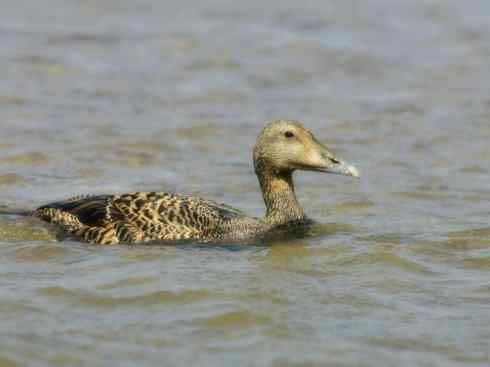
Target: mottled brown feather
[{"x": 282, "y": 147}]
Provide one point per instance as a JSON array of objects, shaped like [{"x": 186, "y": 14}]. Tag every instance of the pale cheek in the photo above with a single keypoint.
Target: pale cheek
[
  {"x": 279, "y": 157},
  {"x": 295, "y": 155}
]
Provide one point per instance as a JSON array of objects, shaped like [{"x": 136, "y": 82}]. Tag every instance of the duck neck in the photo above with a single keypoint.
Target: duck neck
[{"x": 279, "y": 196}]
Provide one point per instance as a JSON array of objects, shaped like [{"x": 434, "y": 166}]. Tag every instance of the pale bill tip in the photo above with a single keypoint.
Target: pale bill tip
[{"x": 353, "y": 171}]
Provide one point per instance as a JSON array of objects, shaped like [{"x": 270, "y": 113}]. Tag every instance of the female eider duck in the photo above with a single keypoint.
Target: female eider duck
[{"x": 282, "y": 147}]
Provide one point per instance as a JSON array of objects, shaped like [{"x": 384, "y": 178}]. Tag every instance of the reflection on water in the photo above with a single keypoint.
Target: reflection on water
[{"x": 120, "y": 96}]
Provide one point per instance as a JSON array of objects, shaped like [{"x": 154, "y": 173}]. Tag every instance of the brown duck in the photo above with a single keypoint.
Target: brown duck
[{"x": 282, "y": 147}]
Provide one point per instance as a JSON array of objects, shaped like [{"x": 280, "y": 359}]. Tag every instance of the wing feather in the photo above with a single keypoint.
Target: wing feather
[
  {"x": 157, "y": 214},
  {"x": 90, "y": 209},
  {"x": 161, "y": 212}
]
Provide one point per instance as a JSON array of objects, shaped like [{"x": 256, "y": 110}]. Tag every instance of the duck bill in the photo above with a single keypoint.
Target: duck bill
[
  {"x": 335, "y": 165},
  {"x": 342, "y": 168}
]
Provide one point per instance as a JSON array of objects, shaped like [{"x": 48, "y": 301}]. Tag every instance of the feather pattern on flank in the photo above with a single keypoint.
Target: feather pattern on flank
[{"x": 282, "y": 147}]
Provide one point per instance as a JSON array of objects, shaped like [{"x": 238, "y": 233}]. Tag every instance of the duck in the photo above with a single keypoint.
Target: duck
[{"x": 282, "y": 147}]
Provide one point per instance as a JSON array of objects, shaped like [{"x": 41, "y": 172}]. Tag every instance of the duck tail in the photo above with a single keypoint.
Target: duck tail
[{"x": 9, "y": 211}]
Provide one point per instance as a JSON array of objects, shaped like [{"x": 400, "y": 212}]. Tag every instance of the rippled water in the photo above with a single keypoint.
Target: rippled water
[{"x": 119, "y": 96}]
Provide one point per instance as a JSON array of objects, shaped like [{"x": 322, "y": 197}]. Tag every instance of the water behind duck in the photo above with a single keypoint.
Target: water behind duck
[{"x": 166, "y": 97}]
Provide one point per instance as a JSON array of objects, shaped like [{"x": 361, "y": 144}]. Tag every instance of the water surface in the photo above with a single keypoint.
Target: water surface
[{"x": 118, "y": 96}]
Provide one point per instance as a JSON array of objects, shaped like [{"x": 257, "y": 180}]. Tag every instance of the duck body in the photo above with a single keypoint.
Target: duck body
[
  {"x": 156, "y": 216},
  {"x": 148, "y": 216},
  {"x": 282, "y": 147}
]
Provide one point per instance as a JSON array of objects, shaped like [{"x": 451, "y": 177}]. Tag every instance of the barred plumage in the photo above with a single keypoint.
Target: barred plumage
[{"x": 282, "y": 147}]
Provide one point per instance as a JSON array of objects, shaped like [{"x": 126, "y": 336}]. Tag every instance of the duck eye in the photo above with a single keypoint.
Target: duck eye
[{"x": 288, "y": 134}]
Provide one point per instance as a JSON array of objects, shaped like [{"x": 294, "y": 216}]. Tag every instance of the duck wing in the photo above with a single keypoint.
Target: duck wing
[
  {"x": 169, "y": 214},
  {"x": 89, "y": 209},
  {"x": 158, "y": 215}
]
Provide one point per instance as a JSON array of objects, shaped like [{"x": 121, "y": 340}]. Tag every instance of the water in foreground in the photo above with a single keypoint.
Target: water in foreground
[{"x": 117, "y": 97}]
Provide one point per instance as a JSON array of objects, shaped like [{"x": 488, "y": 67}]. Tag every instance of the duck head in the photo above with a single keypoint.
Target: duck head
[{"x": 285, "y": 146}]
